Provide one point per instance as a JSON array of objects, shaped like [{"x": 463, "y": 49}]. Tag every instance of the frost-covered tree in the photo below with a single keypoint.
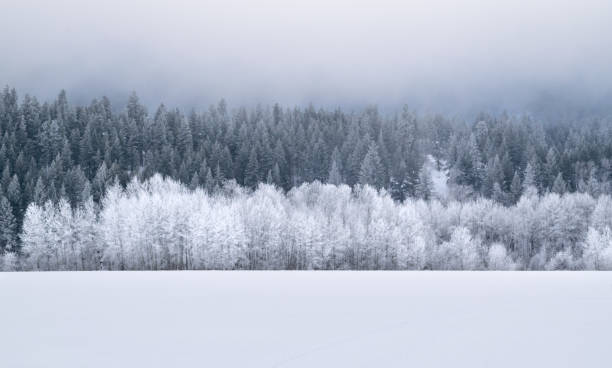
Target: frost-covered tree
[
  {"x": 8, "y": 226},
  {"x": 597, "y": 250},
  {"x": 36, "y": 238},
  {"x": 251, "y": 175},
  {"x": 424, "y": 186},
  {"x": 161, "y": 224},
  {"x": 498, "y": 258},
  {"x": 9, "y": 261},
  {"x": 371, "y": 171},
  {"x": 515, "y": 187},
  {"x": 529, "y": 186},
  {"x": 559, "y": 186},
  {"x": 461, "y": 252},
  {"x": 334, "y": 176}
]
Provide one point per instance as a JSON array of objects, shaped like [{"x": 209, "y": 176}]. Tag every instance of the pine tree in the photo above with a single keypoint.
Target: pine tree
[
  {"x": 398, "y": 182},
  {"x": 39, "y": 196},
  {"x": 100, "y": 182},
  {"x": 551, "y": 167},
  {"x": 477, "y": 168},
  {"x": 371, "y": 168},
  {"x": 219, "y": 177},
  {"x": 594, "y": 186},
  {"x": 335, "y": 157},
  {"x": 8, "y": 225},
  {"x": 334, "y": 174},
  {"x": 515, "y": 187},
  {"x": 251, "y": 175},
  {"x": 13, "y": 194},
  {"x": 530, "y": 187},
  {"x": 209, "y": 184},
  {"x": 276, "y": 176},
  {"x": 5, "y": 180},
  {"x": 581, "y": 187},
  {"x": 559, "y": 186},
  {"x": 357, "y": 149},
  {"x": 425, "y": 184},
  {"x": 498, "y": 195},
  {"x": 529, "y": 179},
  {"x": 495, "y": 174},
  {"x": 195, "y": 181}
]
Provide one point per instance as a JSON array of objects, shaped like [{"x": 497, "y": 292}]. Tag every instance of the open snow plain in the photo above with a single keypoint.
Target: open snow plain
[{"x": 306, "y": 319}]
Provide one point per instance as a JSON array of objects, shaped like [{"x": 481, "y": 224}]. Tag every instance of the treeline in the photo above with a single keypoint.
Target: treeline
[
  {"x": 50, "y": 151},
  {"x": 161, "y": 224}
]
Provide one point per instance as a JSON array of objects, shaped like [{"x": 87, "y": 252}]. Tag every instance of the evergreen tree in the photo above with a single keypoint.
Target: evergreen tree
[
  {"x": 529, "y": 187},
  {"x": 276, "y": 176},
  {"x": 425, "y": 185},
  {"x": 209, "y": 183},
  {"x": 100, "y": 182},
  {"x": 195, "y": 181},
  {"x": 559, "y": 186},
  {"x": 13, "y": 194},
  {"x": 39, "y": 196},
  {"x": 495, "y": 174},
  {"x": 515, "y": 187},
  {"x": 594, "y": 186},
  {"x": 477, "y": 168},
  {"x": 8, "y": 226},
  {"x": 219, "y": 176},
  {"x": 400, "y": 182},
  {"x": 551, "y": 168},
  {"x": 498, "y": 194},
  {"x": 251, "y": 175},
  {"x": 334, "y": 176},
  {"x": 529, "y": 179},
  {"x": 5, "y": 180},
  {"x": 371, "y": 168}
]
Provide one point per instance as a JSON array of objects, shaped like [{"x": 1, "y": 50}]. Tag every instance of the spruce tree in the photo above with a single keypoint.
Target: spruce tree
[
  {"x": 209, "y": 184},
  {"x": 8, "y": 225},
  {"x": 559, "y": 186},
  {"x": 371, "y": 168},
  {"x": 276, "y": 175},
  {"x": 515, "y": 187},
  {"x": 529, "y": 179},
  {"x": 39, "y": 195},
  {"x": 195, "y": 181},
  {"x": 334, "y": 176},
  {"x": 529, "y": 186},
  {"x": 425, "y": 184},
  {"x": 251, "y": 175},
  {"x": 497, "y": 194},
  {"x": 594, "y": 186},
  {"x": 13, "y": 194},
  {"x": 551, "y": 167}
]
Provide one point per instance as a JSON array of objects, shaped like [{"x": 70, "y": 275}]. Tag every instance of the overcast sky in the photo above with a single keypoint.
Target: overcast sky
[{"x": 349, "y": 53}]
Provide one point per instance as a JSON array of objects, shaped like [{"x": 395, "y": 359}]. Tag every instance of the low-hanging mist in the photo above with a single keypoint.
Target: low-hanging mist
[{"x": 434, "y": 55}]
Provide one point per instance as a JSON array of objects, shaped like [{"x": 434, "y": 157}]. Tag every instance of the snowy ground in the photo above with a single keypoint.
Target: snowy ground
[{"x": 305, "y": 319}]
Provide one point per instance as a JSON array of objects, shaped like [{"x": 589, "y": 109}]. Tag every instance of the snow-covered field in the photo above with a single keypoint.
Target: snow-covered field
[{"x": 305, "y": 319}]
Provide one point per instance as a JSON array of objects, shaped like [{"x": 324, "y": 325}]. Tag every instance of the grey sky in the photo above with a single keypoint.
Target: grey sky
[{"x": 427, "y": 53}]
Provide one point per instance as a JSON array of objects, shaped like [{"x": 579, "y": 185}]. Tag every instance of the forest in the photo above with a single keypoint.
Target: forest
[
  {"x": 161, "y": 224},
  {"x": 270, "y": 187}
]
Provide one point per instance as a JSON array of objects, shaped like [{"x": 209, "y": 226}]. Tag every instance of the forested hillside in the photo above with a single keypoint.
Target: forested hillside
[{"x": 65, "y": 157}]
